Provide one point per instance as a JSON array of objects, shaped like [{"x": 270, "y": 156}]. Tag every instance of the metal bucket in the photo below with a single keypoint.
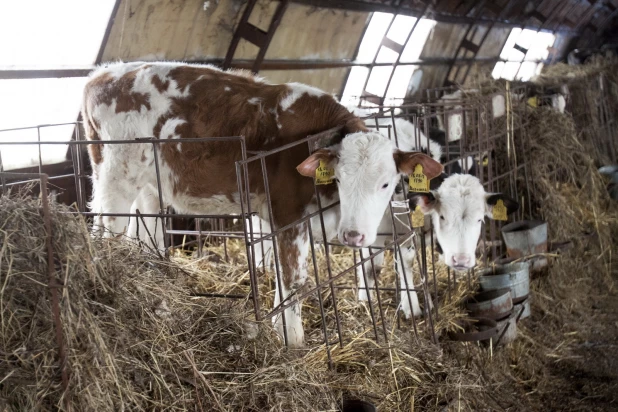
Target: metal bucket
[
  {"x": 514, "y": 276},
  {"x": 507, "y": 330},
  {"x": 526, "y": 238},
  {"x": 476, "y": 329},
  {"x": 492, "y": 304},
  {"x": 517, "y": 308}
]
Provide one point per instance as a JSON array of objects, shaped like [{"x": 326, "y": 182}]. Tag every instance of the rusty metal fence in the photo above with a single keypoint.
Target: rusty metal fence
[{"x": 495, "y": 145}]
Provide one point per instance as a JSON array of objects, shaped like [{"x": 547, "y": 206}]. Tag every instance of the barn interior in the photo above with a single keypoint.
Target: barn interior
[{"x": 84, "y": 335}]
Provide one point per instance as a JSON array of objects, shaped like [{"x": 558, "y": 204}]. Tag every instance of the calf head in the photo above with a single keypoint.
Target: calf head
[
  {"x": 457, "y": 209},
  {"x": 366, "y": 168}
]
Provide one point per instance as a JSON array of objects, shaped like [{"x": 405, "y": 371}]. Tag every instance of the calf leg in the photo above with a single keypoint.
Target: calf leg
[
  {"x": 370, "y": 273},
  {"x": 262, "y": 250},
  {"x": 409, "y": 299},
  {"x": 293, "y": 245},
  {"x": 110, "y": 196},
  {"x": 147, "y": 229}
]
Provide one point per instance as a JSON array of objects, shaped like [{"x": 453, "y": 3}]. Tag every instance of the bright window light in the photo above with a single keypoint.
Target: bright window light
[
  {"x": 33, "y": 102},
  {"x": 520, "y": 66},
  {"x": 386, "y": 55},
  {"x": 378, "y": 80},
  {"x": 412, "y": 51},
  {"x": 526, "y": 71},
  {"x": 510, "y": 42},
  {"x": 370, "y": 48},
  {"x": 354, "y": 86},
  {"x": 42, "y": 34},
  {"x": 526, "y": 38},
  {"x": 401, "y": 28},
  {"x": 539, "y": 48},
  {"x": 373, "y": 36},
  {"x": 497, "y": 72},
  {"x": 510, "y": 70},
  {"x": 399, "y": 84}
]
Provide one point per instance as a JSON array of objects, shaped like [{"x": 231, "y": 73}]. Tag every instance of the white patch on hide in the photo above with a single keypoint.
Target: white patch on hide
[{"x": 296, "y": 91}]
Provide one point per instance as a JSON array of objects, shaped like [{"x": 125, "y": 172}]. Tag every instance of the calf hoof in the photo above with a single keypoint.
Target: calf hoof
[
  {"x": 295, "y": 332},
  {"x": 405, "y": 307},
  {"x": 362, "y": 295}
]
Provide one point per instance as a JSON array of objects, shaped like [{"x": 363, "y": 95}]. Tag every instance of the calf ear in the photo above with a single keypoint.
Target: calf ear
[
  {"x": 491, "y": 199},
  {"x": 308, "y": 167},
  {"x": 407, "y": 161},
  {"x": 427, "y": 201}
]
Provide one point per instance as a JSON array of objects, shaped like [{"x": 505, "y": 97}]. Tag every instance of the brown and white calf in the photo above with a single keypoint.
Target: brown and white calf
[{"x": 173, "y": 100}]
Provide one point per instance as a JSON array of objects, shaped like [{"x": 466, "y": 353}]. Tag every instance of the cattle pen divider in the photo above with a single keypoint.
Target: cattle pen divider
[{"x": 477, "y": 139}]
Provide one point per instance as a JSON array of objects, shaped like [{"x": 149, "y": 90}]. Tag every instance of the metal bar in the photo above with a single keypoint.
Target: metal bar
[
  {"x": 267, "y": 65},
  {"x": 317, "y": 136},
  {"x": 2, "y": 176},
  {"x": 304, "y": 294},
  {"x": 53, "y": 287},
  {"x": 254, "y": 288},
  {"x": 137, "y": 140},
  {"x": 38, "y": 134},
  {"x": 319, "y": 294},
  {"x": 278, "y": 266},
  {"x": 333, "y": 294},
  {"x": 166, "y": 240},
  {"x": 218, "y": 295},
  {"x": 371, "y": 314}
]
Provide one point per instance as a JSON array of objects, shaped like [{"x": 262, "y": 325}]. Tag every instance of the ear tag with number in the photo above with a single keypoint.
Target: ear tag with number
[
  {"x": 499, "y": 211},
  {"x": 418, "y": 180},
  {"x": 418, "y": 218},
  {"x": 533, "y": 101},
  {"x": 324, "y": 175}
]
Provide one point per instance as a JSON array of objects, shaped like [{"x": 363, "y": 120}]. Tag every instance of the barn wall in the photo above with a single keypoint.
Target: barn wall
[
  {"x": 183, "y": 30},
  {"x": 443, "y": 41},
  {"x": 329, "y": 80}
]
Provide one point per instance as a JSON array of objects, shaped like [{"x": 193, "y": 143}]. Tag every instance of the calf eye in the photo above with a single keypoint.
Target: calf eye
[
  {"x": 441, "y": 217},
  {"x": 385, "y": 185},
  {"x": 337, "y": 180},
  {"x": 480, "y": 220}
]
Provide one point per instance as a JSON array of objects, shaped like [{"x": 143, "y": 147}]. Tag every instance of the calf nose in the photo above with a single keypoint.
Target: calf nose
[
  {"x": 461, "y": 261},
  {"x": 353, "y": 238}
]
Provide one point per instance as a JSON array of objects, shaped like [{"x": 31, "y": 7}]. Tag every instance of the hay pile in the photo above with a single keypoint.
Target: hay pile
[{"x": 137, "y": 340}]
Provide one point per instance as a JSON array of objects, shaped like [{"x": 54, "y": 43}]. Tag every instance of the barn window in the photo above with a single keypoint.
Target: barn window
[
  {"x": 384, "y": 73},
  {"x": 523, "y": 54},
  {"x": 72, "y": 34}
]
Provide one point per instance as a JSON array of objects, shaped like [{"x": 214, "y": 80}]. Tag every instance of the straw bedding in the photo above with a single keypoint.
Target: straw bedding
[{"x": 137, "y": 339}]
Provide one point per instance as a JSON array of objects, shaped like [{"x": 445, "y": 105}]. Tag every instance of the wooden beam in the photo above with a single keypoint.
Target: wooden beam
[
  {"x": 266, "y": 65},
  {"x": 43, "y": 73},
  {"x": 436, "y": 15}
]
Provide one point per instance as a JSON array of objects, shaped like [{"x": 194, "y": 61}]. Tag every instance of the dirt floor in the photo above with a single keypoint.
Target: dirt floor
[
  {"x": 588, "y": 378},
  {"x": 577, "y": 345}
]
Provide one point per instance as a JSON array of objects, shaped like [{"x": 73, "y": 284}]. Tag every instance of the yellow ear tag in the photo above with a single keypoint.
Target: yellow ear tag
[
  {"x": 533, "y": 101},
  {"x": 324, "y": 175},
  {"x": 485, "y": 161},
  {"x": 418, "y": 218},
  {"x": 499, "y": 211},
  {"x": 418, "y": 180}
]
